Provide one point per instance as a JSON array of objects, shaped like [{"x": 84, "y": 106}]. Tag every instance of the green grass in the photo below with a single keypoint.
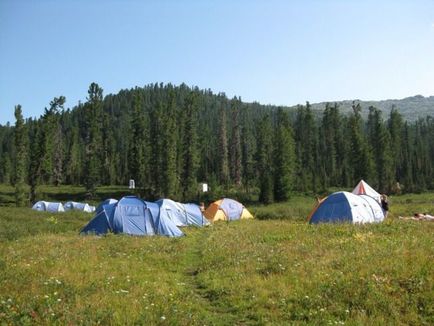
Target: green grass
[{"x": 256, "y": 272}]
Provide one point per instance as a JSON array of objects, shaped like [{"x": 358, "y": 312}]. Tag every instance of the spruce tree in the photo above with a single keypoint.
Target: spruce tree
[
  {"x": 407, "y": 166},
  {"x": 306, "y": 138},
  {"x": 395, "y": 126},
  {"x": 74, "y": 159},
  {"x": 264, "y": 158},
  {"x": 328, "y": 144},
  {"x": 190, "y": 157},
  {"x": 380, "y": 143},
  {"x": 223, "y": 148},
  {"x": 284, "y": 157},
  {"x": 137, "y": 157},
  {"x": 248, "y": 145},
  {"x": 169, "y": 143},
  {"x": 361, "y": 161},
  {"x": 21, "y": 157},
  {"x": 58, "y": 154},
  {"x": 93, "y": 113},
  {"x": 235, "y": 147},
  {"x": 36, "y": 153}
]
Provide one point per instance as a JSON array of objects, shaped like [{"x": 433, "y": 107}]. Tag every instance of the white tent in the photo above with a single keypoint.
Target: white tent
[
  {"x": 363, "y": 188},
  {"x": 48, "y": 207},
  {"x": 84, "y": 207},
  {"x": 182, "y": 214}
]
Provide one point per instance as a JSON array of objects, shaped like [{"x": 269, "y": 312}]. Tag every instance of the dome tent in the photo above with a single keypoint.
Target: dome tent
[
  {"x": 84, "y": 207},
  {"x": 226, "y": 209},
  {"x": 48, "y": 207},
  {"x": 363, "y": 188},
  {"x": 134, "y": 216},
  {"x": 346, "y": 207},
  {"x": 105, "y": 202},
  {"x": 182, "y": 214}
]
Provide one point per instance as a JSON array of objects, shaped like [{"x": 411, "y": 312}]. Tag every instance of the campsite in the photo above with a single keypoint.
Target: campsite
[
  {"x": 273, "y": 269},
  {"x": 216, "y": 162}
]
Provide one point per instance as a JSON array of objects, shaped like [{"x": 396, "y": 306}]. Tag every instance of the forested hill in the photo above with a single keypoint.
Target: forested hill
[
  {"x": 411, "y": 108},
  {"x": 170, "y": 138}
]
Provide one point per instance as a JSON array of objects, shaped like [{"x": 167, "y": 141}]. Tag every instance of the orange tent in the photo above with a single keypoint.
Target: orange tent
[{"x": 226, "y": 210}]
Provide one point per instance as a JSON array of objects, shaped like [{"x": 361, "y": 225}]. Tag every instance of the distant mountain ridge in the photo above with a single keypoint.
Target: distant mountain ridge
[{"x": 411, "y": 108}]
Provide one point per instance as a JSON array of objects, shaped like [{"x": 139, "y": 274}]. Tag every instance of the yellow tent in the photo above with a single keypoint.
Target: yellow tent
[{"x": 226, "y": 210}]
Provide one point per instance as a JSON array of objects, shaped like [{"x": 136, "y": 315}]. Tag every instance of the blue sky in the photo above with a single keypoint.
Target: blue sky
[{"x": 273, "y": 52}]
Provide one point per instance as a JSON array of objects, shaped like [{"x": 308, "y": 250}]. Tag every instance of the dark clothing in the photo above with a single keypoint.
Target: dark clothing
[{"x": 385, "y": 205}]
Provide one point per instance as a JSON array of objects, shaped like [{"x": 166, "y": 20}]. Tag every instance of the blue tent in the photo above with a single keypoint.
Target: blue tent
[
  {"x": 232, "y": 208},
  {"x": 346, "y": 207},
  {"x": 132, "y": 215},
  {"x": 48, "y": 207},
  {"x": 105, "y": 202},
  {"x": 84, "y": 207},
  {"x": 182, "y": 214}
]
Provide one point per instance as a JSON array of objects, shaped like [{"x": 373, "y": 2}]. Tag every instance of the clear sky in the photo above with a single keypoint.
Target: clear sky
[{"x": 273, "y": 52}]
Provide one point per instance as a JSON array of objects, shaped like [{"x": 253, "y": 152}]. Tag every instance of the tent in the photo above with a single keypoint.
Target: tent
[
  {"x": 105, "y": 202},
  {"x": 182, "y": 214},
  {"x": 346, "y": 207},
  {"x": 132, "y": 215},
  {"x": 48, "y": 207},
  {"x": 363, "y": 188},
  {"x": 84, "y": 207},
  {"x": 226, "y": 210}
]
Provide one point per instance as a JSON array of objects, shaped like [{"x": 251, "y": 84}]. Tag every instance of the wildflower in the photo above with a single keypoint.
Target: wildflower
[{"x": 163, "y": 318}]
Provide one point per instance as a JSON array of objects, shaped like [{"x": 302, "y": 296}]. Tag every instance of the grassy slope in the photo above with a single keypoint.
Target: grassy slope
[{"x": 248, "y": 272}]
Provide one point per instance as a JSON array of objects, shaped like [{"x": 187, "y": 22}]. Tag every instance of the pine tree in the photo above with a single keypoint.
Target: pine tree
[
  {"x": 168, "y": 150},
  {"x": 395, "y": 127},
  {"x": 21, "y": 157},
  {"x": 284, "y": 157},
  {"x": 248, "y": 145},
  {"x": 36, "y": 153},
  {"x": 361, "y": 161},
  {"x": 407, "y": 167},
  {"x": 190, "y": 148},
  {"x": 74, "y": 160},
  {"x": 93, "y": 112},
  {"x": 235, "y": 147},
  {"x": 138, "y": 144},
  {"x": 306, "y": 148},
  {"x": 264, "y": 158},
  {"x": 380, "y": 143},
  {"x": 329, "y": 139},
  {"x": 223, "y": 148},
  {"x": 108, "y": 171},
  {"x": 58, "y": 154}
]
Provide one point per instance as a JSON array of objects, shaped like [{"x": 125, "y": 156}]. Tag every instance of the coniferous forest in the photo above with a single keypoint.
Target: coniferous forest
[{"x": 171, "y": 138}]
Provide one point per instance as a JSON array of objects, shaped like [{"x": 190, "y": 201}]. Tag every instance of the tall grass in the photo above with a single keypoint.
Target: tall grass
[{"x": 253, "y": 272}]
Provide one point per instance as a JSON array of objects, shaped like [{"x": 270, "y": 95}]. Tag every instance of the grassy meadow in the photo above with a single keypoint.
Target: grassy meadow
[{"x": 274, "y": 270}]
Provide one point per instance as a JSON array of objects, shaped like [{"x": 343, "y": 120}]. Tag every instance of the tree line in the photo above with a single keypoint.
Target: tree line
[{"x": 171, "y": 138}]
